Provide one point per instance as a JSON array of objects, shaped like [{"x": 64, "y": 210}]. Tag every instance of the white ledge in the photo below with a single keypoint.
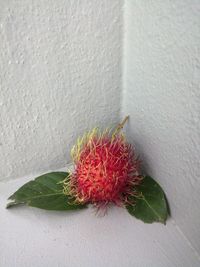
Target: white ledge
[{"x": 38, "y": 238}]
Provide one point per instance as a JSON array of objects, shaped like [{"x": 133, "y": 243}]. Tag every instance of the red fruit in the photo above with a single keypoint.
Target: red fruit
[{"x": 106, "y": 169}]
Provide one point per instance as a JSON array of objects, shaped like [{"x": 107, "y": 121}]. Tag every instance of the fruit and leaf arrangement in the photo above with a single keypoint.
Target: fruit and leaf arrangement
[{"x": 106, "y": 171}]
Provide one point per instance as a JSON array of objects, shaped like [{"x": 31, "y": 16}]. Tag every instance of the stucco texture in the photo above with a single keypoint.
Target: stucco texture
[{"x": 59, "y": 76}]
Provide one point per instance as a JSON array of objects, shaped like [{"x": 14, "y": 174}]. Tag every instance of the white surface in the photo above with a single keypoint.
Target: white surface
[
  {"x": 162, "y": 96},
  {"x": 38, "y": 238},
  {"x": 59, "y": 71}
]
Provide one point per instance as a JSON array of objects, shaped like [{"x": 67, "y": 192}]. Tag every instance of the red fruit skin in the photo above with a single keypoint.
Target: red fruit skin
[{"x": 106, "y": 170}]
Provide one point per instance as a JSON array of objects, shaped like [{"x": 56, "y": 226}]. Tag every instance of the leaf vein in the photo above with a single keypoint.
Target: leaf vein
[{"x": 160, "y": 219}]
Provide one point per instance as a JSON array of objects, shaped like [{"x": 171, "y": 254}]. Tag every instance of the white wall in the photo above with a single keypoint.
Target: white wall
[
  {"x": 59, "y": 75},
  {"x": 162, "y": 96}
]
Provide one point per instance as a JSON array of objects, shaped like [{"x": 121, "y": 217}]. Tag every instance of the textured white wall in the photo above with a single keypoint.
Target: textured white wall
[
  {"x": 59, "y": 75},
  {"x": 162, "y": 96}
]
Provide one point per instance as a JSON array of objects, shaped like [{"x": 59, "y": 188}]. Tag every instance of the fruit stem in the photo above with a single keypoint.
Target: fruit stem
[{"x": 120, "y": 126}]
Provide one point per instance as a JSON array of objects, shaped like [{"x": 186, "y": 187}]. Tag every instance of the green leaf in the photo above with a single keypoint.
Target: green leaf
[
  {"x": 45, "y": 192},
  {"x": 150, "y": 204}
]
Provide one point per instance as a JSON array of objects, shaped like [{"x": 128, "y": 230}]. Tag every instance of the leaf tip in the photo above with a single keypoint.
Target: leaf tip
[{"x": 9, "y": 205}]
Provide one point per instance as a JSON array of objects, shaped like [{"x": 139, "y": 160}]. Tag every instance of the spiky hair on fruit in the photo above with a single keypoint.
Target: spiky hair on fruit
[{"x": 106, "y": 169}]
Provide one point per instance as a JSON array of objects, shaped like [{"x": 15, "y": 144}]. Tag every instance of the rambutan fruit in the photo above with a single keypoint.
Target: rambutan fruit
[{"x": 106, "y": 169}]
